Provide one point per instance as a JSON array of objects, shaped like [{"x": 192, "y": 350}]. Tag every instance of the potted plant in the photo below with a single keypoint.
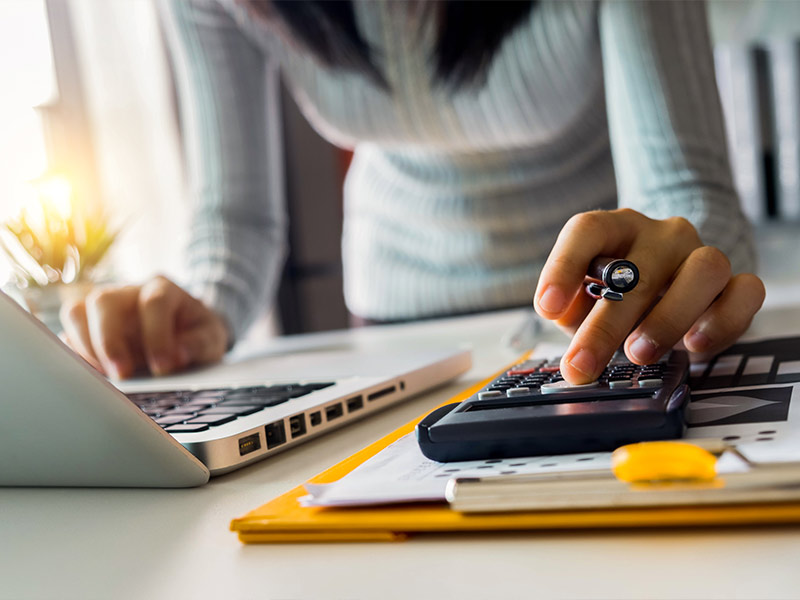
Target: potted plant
[{"x": 54, "y": 248}]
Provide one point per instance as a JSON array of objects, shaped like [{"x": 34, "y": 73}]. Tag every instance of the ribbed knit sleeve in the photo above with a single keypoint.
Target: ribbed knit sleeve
[
  {"x": 228, "y": 95},
  {"x": 665, "y": 121}
]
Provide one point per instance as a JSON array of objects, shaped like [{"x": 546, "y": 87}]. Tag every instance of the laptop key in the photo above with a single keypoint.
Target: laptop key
[
  {"x": 232, "y": 410},
  {"x": 171, "y": 419},
  {"x": 318, "y": 386},
  {"x": 165, "y": 404},
  {"x": 205, "y": 396},
  {"x": 193, "y": 406},
  {"x": 262, "y": 389},
  {"x": 255, "y": 393},
  {"x": 254, "y": 399},
  {"x": 282, "y": 387},
  {"x": 212, "y": 420},
  {"x": 185, "y": 428},
  {"x": 300, "y": 391},
  {"x": 178, "y": 411}
]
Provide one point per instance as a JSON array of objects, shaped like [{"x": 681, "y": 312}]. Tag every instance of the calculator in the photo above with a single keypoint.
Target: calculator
[{"x": 530, "y": 410}]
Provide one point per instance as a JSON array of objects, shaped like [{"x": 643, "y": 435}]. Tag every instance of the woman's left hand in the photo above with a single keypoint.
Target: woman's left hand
[{"x": 686, "y": 292}]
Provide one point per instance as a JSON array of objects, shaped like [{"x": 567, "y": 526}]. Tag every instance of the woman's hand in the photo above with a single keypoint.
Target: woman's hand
[
  {"x": 685, "y": 292},
  {"x": 158, "y": 326}
]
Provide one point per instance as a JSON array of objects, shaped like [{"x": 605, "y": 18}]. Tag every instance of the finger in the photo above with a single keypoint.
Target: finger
[
  {"x": 659, "y": 251},
  {"x": 76, "y": 329},
  {"x": 584, "y": 237},
  {"x": 728, "y": 317},
  {"x": 577, "y": 312},
  {"x": 203, "y": 344},
  {"x": 700, "y": 279},
  {"x": 109, "y": 314},
  {"x": 159, "y": 301}
]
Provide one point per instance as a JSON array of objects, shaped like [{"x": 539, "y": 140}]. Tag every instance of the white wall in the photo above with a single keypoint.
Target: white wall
[{"x": 126, "y": 83}]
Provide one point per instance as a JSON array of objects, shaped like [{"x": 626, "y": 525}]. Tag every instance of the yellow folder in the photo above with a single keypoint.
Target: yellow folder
[{"x": 285, "y": 520}]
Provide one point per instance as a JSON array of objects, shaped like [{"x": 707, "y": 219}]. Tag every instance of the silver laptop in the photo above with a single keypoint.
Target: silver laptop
[{"x": 64, "y": 424}]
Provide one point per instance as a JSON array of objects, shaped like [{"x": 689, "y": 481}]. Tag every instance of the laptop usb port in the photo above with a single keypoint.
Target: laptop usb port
[
  {"x": 297, "y": 425},
  {"x": 275, "y": 433},
  {"x": 249, "y": 443},
  {"x": 315, "y": 418},
  {"x": 334, "y": 412},
  {"x": 355, "y": 403},
  {"x": 381, "y": 393}
]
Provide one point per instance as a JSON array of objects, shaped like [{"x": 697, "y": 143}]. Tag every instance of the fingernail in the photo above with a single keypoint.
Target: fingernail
[
  {"x": 583, "y": 361},
  {"x": 552, "y": 300},
  {"x": 698, "y": 341},
  {"x": 643, "y": 349},
  {"x": 161, "y": 365}
]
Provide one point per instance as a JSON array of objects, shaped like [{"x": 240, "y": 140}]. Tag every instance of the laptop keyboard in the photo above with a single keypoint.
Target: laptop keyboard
[{"x": 191, "y": 411}]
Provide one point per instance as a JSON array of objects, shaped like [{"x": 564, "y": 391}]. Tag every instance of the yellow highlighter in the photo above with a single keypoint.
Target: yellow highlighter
[{"x": 663, "y": 461}]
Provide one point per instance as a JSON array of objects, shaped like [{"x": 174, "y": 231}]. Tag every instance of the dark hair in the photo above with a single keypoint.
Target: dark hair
[{"x": 469, "y": 34}]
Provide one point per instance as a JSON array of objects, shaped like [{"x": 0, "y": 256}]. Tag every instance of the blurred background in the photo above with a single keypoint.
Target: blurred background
[{"x": 92, "y": 184}]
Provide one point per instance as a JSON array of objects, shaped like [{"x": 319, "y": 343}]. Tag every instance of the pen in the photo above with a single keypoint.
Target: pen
[{"x": 610, "y": 278}]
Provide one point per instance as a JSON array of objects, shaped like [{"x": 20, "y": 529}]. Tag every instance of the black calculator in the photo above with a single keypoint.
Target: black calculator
[{"x": 531, "y": 410}]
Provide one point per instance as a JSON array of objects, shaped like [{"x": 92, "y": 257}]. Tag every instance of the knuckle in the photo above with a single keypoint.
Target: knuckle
[
  {"x": 649, "y": 288},
  {"x": 586, "y": 222},
  {"x": 668, "y": 328},
  {"x": 161, "y": 282},
  {"x": 712, "y": 261},
  {"x": 153, "y": 298},
  {"x": 102, "y": 298},
  {"x": 562, "y": 263},
  {"x": 603, "y": 335},
  {"x": 160, "y": 278},
  {"x": 157, "y": 293},
  {"x": 629, "y": 213},
  {"x": 731, "y": 323},
  {"x": 72, "y": 311},
  {"x": 754, "y": 283},
  {"x": 682, "y": 230}
]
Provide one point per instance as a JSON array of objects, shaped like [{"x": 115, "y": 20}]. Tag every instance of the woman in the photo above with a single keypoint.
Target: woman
[{"x": 479, "y": 130}]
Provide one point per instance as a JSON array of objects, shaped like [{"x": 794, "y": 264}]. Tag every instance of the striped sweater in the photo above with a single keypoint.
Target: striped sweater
[{"x": 453, "y": 200}]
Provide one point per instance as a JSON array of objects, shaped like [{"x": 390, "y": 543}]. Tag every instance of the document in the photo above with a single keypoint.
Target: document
[{"x": 761, "y": 420}]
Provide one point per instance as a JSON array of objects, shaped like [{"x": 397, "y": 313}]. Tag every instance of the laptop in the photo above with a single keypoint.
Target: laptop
[{"x": 64, "y": 424}]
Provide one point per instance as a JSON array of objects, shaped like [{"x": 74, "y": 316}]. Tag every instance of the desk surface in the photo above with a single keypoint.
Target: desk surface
[{"x": 80, "y": 543}]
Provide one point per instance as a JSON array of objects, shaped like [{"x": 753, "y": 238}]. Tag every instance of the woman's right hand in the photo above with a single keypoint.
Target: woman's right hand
[{"x": 157, "y": 326}]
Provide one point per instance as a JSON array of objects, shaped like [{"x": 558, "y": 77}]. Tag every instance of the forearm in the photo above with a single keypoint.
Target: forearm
[
  {"x": 228, "y": 91},
  {"x": 666, "y": 125},
  {"x": 234, "y": 263}
]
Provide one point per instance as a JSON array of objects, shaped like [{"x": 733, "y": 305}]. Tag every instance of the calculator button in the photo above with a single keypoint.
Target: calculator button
[
  {"x": 564, "y": 386},
  {"x": 519, "y": 371},
  {"x": 519, "y": 391},
  {"x": 490, "y": 394},
  {"x": 648, "y": 383},
  {"x": 500, "y": 387},
  {"x": 620, "y": 383},
  {"x": 549, "y": 369}
]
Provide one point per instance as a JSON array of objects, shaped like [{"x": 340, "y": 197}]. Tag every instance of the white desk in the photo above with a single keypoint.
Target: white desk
[{"x": 73, "y": 543}]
